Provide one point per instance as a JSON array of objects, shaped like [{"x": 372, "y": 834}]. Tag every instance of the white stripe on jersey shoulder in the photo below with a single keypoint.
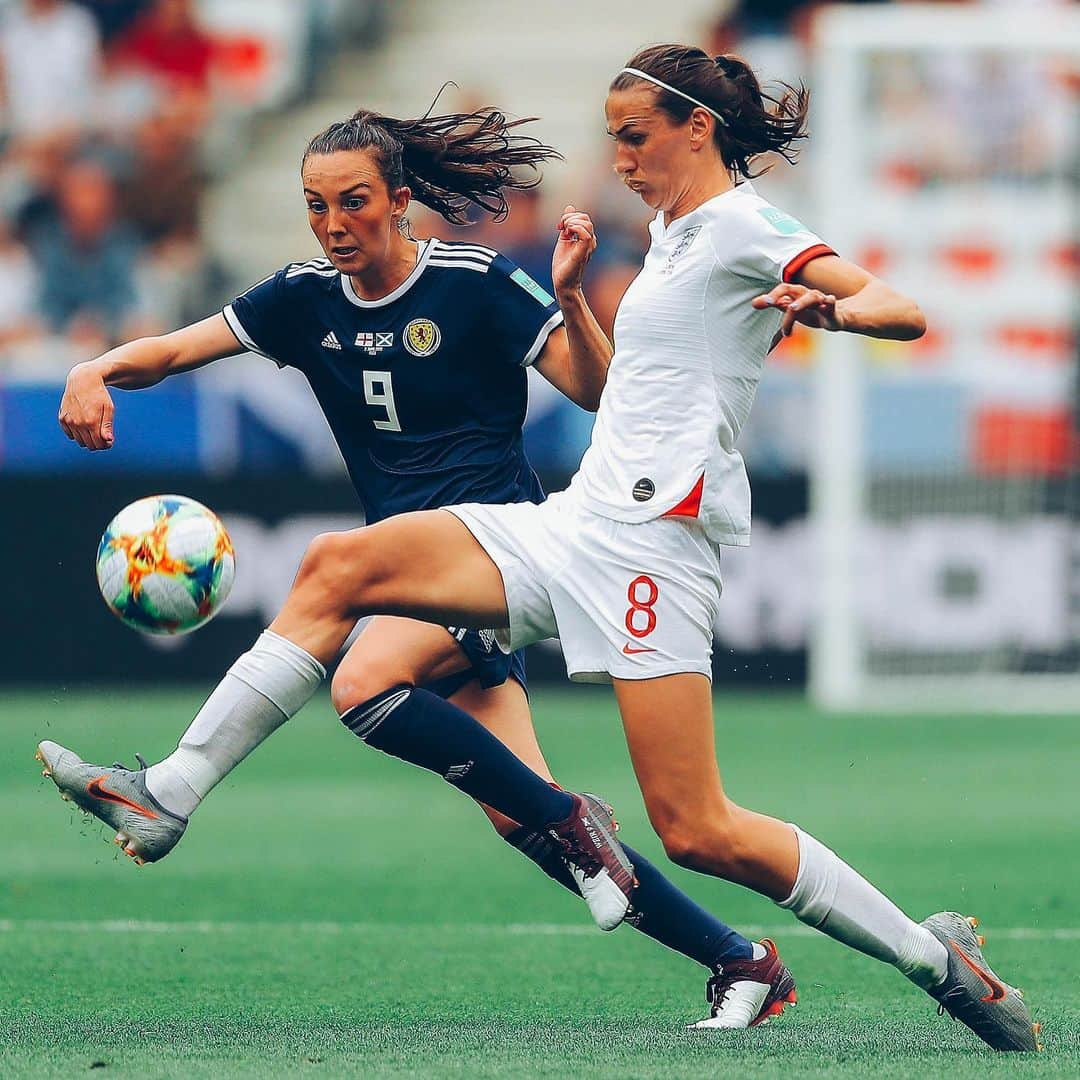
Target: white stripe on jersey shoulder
[
  {"x": 320, "y": 261},
  {"x": 322, "y": 267},
  {"x": 462, "y": 256},
  {"x": 541, "y": 339},
  {"x": 245, "y": 339},
  {"x": 459, "y": 264},
  {"x": 462, "y": 247}
]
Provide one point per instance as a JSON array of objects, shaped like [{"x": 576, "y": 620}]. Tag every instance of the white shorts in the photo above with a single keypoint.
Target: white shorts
[{"x": 627, "y": 601}]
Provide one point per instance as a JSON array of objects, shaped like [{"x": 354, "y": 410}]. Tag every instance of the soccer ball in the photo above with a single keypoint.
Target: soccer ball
[{"x": 165, "y": 564}]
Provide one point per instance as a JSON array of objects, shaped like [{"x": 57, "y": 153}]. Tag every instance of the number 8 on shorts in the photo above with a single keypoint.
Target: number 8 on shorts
[{"x": 639, "y": 604}]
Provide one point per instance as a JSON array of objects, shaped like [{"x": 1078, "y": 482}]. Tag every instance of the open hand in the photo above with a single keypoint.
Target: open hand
[{"x": 799, "y": 304}]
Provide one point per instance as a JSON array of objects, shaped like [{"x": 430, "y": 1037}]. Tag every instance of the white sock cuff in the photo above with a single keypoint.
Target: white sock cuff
[
  {"x": 279, "y": 670},
  {"x": 814, "y": 892}
]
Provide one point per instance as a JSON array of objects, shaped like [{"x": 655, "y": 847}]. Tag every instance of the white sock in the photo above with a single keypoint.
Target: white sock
[
  {"x": 830, "y": 896},
  {"x": 266, "y": 686}
]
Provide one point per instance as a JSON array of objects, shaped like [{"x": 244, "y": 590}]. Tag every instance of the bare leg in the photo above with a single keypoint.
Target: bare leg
[
  {"x": 392, "y": 651},
  {"x": 425, "y": 565},
  {"x": 669, "y": 730}
]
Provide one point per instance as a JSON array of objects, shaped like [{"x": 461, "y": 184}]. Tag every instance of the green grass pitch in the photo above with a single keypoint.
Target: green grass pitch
[{"x": 333, "y": 912}]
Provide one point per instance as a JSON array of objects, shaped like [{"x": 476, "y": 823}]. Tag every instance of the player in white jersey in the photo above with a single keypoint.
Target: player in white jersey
[{"x": 623, "y": 566}]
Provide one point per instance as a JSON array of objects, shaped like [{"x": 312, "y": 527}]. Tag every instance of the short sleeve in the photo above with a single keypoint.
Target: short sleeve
[
  {"x": 520, "y": 313},
  {"x": 770, "y": 246},
  {"x": 258, "y": 319}
]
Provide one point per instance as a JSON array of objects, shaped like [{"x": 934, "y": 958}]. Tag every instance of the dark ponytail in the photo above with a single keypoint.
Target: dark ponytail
[
  {"x": 448, "y": 161},
  {"x": 753, "y": 122}
]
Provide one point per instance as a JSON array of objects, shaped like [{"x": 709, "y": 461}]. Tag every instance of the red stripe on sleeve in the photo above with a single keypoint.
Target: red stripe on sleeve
[{"x": 804, "y": 257}]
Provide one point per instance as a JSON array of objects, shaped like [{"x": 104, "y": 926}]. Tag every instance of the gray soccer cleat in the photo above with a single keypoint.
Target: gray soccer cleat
[
  {"x": 973, "y": 994},
  {"x": 118, "y": 796}
]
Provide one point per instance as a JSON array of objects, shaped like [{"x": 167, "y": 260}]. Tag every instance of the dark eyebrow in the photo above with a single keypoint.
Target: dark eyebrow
[
  {"x": 360, "y": 184},
  {"x": 616, "y": 134}
]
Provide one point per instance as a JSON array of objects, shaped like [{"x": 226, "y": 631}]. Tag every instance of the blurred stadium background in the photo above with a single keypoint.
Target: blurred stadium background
[
  {"x": 159, "y": 139},
  {"x": 915, "y": 537}
]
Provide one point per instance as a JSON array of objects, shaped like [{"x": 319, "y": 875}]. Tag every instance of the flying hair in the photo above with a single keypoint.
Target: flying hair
[{"x": 450, "y": 162}]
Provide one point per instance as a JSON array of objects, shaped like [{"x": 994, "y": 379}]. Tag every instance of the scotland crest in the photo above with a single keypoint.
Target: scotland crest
[{"x": 422, "y": 337}]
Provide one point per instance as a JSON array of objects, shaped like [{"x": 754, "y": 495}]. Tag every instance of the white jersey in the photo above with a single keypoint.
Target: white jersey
[{"x": 689, "y": 351}]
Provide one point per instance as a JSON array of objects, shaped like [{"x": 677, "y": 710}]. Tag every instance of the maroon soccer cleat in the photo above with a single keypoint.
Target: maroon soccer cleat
[
  {"x": 601, "y": 868},
  {"x": 745, "y": 993}
]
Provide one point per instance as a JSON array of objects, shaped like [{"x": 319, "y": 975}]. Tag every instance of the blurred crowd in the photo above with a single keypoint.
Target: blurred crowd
[
  {"x": 106, "y": 107},
  {"x": 113, "y": 115},
  {"x": 104, "y": 104},
  {"x": 116, "y": 115}
]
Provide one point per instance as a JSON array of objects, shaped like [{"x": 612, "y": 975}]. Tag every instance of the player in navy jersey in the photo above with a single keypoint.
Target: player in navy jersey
[
  {"x": 416, "y": 351},
  {"x": 425, "y": 388}
]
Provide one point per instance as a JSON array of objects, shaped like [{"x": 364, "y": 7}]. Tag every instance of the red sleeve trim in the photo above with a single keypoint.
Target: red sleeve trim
[{"x": 804, "y": 257}]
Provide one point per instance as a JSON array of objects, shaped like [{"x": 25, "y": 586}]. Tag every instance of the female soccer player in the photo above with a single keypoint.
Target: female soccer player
[
  {"x": 416, "y": 352},
  {"x": 623, "y": 566}
]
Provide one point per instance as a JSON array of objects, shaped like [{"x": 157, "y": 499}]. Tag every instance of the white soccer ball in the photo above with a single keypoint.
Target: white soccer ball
[{"x": 165, "y": 564}]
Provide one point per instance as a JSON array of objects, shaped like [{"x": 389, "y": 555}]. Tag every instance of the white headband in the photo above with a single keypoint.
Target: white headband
[{"x": 673, "y": 90}]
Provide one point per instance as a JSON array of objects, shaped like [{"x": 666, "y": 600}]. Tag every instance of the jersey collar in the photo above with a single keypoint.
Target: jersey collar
[
  {"x": 426, "y": 247},
  {"x": 695, "y": 216}
]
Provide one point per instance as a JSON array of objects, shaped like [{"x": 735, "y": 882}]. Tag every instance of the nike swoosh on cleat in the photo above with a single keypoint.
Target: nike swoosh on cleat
[
  {"x": 997, "y": 991},
  {"x": 96, "y": 789},
  {"x": 630, "y": 650}
]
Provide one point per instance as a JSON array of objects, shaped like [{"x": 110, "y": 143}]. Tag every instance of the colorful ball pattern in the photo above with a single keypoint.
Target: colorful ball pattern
[{"x": 165, "y": 564}]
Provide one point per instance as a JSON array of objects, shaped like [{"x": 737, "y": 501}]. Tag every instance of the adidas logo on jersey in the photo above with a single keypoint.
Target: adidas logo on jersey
[{"x": 331, "y": 341}]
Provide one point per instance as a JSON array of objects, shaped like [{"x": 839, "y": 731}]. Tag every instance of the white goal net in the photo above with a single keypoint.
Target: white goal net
[{"x": 945, "y": 490}]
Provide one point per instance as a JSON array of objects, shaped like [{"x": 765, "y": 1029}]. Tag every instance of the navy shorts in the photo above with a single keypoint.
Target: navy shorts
[{"x": 488, "y": 663}]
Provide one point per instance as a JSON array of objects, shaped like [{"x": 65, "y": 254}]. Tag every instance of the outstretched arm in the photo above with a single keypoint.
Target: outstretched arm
[
  {"x": 575, "y": 360},
  {"x": 86, "y": 409},
  {"x": 831, "y": 293}
]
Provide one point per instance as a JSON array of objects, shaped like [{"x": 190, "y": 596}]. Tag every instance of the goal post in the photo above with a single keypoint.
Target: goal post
[{"x": 944, "y": 494}]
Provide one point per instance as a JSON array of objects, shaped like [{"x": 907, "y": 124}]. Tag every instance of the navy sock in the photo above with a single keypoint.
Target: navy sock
[
  {"x": 419, "y": 727},
  {"x": 667, "y": 914},
  {"x": 544, "y": 852},
  {"x": 659, "y": 909}
]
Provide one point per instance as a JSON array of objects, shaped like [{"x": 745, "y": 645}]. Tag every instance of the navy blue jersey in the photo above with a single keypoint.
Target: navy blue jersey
[{"x": 425, "y": 389}]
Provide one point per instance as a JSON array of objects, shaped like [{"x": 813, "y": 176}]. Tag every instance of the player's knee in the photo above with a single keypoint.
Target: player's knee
[
  {"x": 365, "y": 719},
  {"x": 710, "y": 843},
  {"x": 353, "y": 685},
  {"x": 322, "y": 554},
  {"x": 335, "y": 566},
  {"x": 681, "y": 844}
]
